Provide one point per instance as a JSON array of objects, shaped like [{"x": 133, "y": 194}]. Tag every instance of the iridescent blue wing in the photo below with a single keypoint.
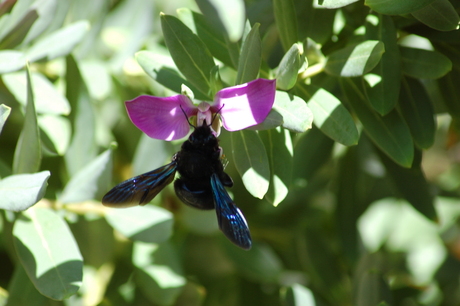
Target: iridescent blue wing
[
  {"x": 141, "y": 189},
  {"x": 231, "y": 220}
]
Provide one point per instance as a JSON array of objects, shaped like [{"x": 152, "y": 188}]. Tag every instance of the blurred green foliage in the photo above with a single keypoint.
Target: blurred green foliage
[{"x": 352, "y": 192}]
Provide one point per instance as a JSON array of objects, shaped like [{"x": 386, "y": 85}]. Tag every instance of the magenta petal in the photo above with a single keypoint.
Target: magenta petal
[
  {"x": 161, "y": 118},
  {"x": 245, "y": 105}
]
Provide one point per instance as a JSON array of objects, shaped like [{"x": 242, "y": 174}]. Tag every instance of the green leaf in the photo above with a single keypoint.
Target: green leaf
[
  {"x": 11, "y": 60},
  {"x": 450, "y": 90},
  {"x": 45, "y": 10},
  {"x": 48, "y": 100},
  {"x": 48, "y": 252},
  {"x": 418, "y": 112},
  {"x": 158, "y": 272},
  {"x": 298, "y": 295},
  {"x": 90, "y": 182},
  {"x": 148, "y": 223},
  {"x": 21, "y": 291},
  {"x": 439, "y": 15},
  {"x": 21, "y": 191},
  {"x": 146, "y": 148},
  {"x": 332, "y": 4},
  {"x": 213, "y": 37},
  {"x": 4, "y": 113},
  {"x": 56, "y": 133},
  {"x": 288, "y": 69},
  {"x": 16, "y": 30},
  {"x": 190, "y": 55},
  {"x": 273, "y": 119},
  {"x": 278, "y": 144},
  {"x": 384, "y": 80},
  {"x": 329, "y": 115},
  {"x": 355, "y": 60},
  {"x": 28, "y": 155},
  {"x": 372, "y": 289},
  {"x": 396, "y": 7},
  {"x": 424, "y": 64},
  {"x": 82, "y": 149},
  {"x": 260, "y": 264},
  {"x": 58, "y": 43},
  {"x": 226, "y": 16},
  {"x": 156, "y": 67},
  {"x": 390, "y": 133},
  {"x": 251, "y": 161},
  {"x": 412, "y": 184},
  {"x": 297, "y": 117},
  {"x": 250, "y": 58},
  {"x": 286, "y": 21}
]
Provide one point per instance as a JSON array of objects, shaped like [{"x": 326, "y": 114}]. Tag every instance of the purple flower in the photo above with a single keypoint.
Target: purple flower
[{"x": 240, "y": 107}]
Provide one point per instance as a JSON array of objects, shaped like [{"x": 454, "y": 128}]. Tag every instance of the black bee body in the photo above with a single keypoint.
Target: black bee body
[{"x": 200, "y": 184}]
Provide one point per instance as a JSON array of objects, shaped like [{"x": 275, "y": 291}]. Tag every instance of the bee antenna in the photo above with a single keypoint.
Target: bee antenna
[
  {"x": 215, "y": 115},
  {"x": 185, "y": 114}
]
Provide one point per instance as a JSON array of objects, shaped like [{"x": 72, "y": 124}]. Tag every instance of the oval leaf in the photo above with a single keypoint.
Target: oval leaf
[
  {"x": 298, "y": 295},
  {"x": 190, "y": 55},
  {"x": 332, "y": 4},
  {"x": 355, "y": 60},
  {"x": 286, "y": 22},
  {"x": 4, "y": 113},
  {"x": 251, "y": 161},
  {"x": 390, "y": 133},
  {"x": 297, "y": 117},
  {"x": 11, "y": 60},
  {"x": 21, "y": 191},
  {"x": 250, "y": 58},
  {"x": 49, "y": 253},
  {"x": 417, "y": 110},
  {"x": 148, "y": 223},
  {"x": 424, "y": 64},
  {"x": 329, "y": 115},
  {"x": 396, "y": 7},
  {"x": 439, "y": 15},
  {"x": 288, "y": 69}
]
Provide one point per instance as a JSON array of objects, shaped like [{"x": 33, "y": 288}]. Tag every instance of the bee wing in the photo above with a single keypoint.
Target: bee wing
[
  {"x": 140, "y": 189},
  {"x": 231, "y": 221}
]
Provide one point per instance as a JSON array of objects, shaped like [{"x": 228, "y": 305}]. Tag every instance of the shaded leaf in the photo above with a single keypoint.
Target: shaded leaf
[
  {"x": 28, "y": 155},
  {"x": 396, "y": 7},
  {"x": 329, "y": 115},
  {"x": 21, "y": 291},
  {"x": 288, "y": 69},
  {"x": 385, "y": 79},
  {"x": 372, "y": 289},
  {"x": 16, "y": 31},
  {"x": 450, "y": 90},
  {"x": 251, "y": 161},
  {"x": 418, "y": 112},
  {"x": 21, "y": 191},
  {"x": 424, "y": 64},
  {"x": 158, "y": 272},
  {"x": 355, "y": 60},
  {"x": 82, "y": 148},
  {"x": 286, "y": 22},
  {"x": 250, "y": 58},
  {"x": 48, "y": 252},
  {"x": 90, "y": 182},
  {"x": 227, "y": 16},
  {"x": 390, "y": 133},
  {"x": 439, "y": 15},
  {"x": 148, "y": 223},
  {"x": 190, "y": 55}
]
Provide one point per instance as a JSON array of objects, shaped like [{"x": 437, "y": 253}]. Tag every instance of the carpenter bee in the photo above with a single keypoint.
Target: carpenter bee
[{"x": 201, "y": 184}]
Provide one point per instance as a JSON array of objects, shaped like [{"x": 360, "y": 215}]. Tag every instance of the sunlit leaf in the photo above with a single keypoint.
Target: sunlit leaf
[
  {"x": 297, "y": 117},
  {"x": 331, "y": 4},
  {"x": 148, "y": 223},
  {"x": 329, "y": 115},
  {"x": 297, "y": 295},
  {"x": 19, "y": 192},
  {"x": 11, "y": 60},
  {"x": 4, "y": 113},
  {"x": 355, "y": 60},
  {"x": 27, "y": 155},
  {"x": 48, "y": 252},
  {"x": 251, "y": 160}
]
